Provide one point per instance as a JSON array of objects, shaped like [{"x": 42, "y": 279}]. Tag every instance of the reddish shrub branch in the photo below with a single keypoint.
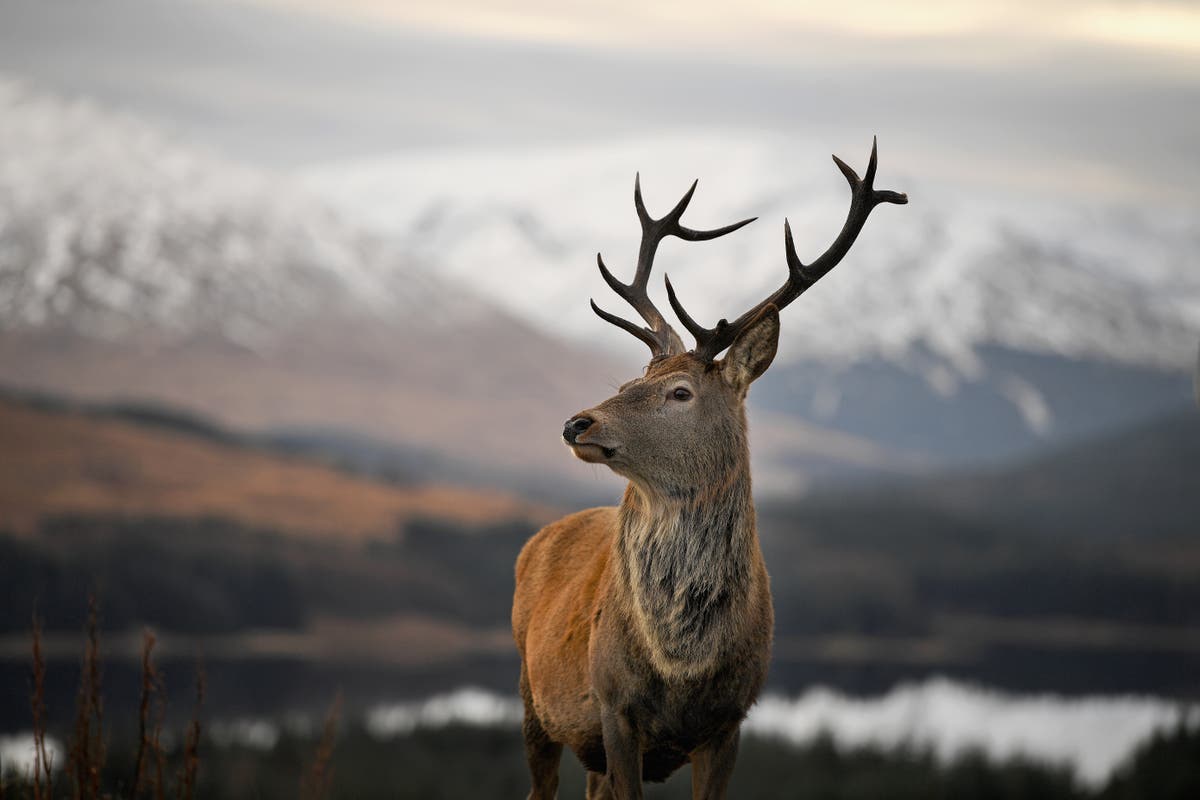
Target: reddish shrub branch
[{"x": 319, "y": 777}]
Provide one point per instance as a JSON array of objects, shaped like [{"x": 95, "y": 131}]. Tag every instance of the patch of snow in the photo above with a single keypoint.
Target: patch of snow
[
  {"x": 1029, "y": 402},
  {"x": 1091, "y": 735},
  {"x": 468, "y": 706},
  {"x": 252, "y": 733},
  {"x": 18, "y": 754}
]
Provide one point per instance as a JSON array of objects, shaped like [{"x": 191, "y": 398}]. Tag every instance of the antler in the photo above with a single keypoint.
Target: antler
[
  {"x": 710, "y": 342},
  {"x": 660, "y": 337}
]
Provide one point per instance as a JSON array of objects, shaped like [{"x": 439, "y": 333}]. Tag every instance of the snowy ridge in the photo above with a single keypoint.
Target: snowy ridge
[
  {"x": 957, "y": 268},
  {"x": 1092, "y": 736},
  {"x": 108, "y": 225},
  {"x": 18, "y": 756}
]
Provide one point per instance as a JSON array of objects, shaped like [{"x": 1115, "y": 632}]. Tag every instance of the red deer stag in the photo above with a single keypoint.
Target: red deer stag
[{"x": 645, "y": 630}]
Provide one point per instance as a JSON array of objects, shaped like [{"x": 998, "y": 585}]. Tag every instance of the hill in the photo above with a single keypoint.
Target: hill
[
  {"x": 69, "y": 462},
  {"x": 1137, "y": 482}
]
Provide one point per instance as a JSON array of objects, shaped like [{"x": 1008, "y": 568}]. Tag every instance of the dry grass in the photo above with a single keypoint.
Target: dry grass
[
  {"x": 87, "y": 751},
  {"x": 88, "y": 747},
  {"x": 185, "y": 784},
  {"x": 42, "y": 780},
  {"x": 60, "y": 463},
  {"x": 318, "y": 779},
  {"x": 152, "y": 708}
]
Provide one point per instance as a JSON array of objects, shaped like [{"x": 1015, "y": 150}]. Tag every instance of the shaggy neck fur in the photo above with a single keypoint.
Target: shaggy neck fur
[{"x": 686, "y": 559}]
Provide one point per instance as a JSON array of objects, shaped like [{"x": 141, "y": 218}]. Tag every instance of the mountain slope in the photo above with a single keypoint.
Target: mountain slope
[
  {"x": 1139, "y": 482},
  {"x": 60, "y": 463},
  {"x": 997, "y": 322},
  {"x": 1136, "y": 484}
]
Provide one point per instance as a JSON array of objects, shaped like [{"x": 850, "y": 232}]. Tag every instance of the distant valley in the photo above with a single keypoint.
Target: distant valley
[{"x": 298, "y": 571}]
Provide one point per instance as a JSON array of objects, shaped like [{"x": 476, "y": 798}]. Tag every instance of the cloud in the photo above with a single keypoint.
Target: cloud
[
  {"x": 1081, "y": 95},
  {"x": 769, "y": 29}
]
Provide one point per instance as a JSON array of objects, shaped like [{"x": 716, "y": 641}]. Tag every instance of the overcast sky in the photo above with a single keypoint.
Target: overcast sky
[
  {"x": 768, "y": 30},
  {"x": 1075, "y": 96}
]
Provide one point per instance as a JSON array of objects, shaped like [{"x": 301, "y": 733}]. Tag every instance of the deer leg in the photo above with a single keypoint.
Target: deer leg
[
  {"x": 712, "y": 767},
  {"x": 597, "y": 787},
  {"x": 541, "y": 752},
  {"x": 624, "y": 755},
  {"x": 543, "y": 756}
]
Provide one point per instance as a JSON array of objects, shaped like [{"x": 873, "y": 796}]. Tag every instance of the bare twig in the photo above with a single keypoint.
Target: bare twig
[
  {"x": 156, "y": 747},
  {"x": 319, "y": 778},
  {"x": 42, "y": 778},
  {"x": 87, "y": 747},
  {"x": 158, "y": 687},
  {"x": 185, "y": 787},
  {"x": 149, "y": 729}
]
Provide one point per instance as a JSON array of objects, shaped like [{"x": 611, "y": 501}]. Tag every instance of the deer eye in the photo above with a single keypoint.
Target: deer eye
[{"x": 681, "y": 394}]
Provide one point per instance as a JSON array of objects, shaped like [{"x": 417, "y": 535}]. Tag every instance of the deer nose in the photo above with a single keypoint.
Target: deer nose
[{"x": 576, "y": 426}]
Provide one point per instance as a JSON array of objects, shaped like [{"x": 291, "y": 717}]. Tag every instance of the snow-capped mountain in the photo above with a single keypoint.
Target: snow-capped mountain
[
  {"x": 109, "y": 226},
  {"x": 136, "y": 266},
  {"x": 439, "y": 299},
  {"x": 956, "y": 269},
  {"x": 1011, "y": 317}
]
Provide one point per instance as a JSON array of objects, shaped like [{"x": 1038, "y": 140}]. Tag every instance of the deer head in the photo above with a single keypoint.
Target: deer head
[{"x": 682, "y": 424}]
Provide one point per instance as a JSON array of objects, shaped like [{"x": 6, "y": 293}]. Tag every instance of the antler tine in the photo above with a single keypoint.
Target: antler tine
[
  {"x": 645, "y": 335},
  {"x": 659, "y": 336},
  {"x": 694, "y": 328},
  {"x": 710, "y": 342}
]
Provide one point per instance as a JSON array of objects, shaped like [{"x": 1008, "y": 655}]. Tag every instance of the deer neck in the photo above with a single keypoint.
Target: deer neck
[{"x": 687, "y": 559}]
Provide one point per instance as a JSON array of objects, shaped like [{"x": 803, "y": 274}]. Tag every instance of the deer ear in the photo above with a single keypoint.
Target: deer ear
[{"x": 753, "y": 350}]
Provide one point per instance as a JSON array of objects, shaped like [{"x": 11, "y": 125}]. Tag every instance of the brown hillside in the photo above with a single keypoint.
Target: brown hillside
[{"x": 54, "y": 462}]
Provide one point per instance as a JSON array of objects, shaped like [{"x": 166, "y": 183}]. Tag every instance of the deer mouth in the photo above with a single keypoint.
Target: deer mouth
[{"x": 593, "y": 453}]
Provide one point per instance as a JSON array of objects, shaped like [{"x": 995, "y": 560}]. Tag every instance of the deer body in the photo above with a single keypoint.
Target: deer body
[{"x": 645, "y": 630}]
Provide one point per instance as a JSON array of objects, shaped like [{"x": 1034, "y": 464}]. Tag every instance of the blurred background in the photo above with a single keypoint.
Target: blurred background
[{"x": 293, "y": 303}]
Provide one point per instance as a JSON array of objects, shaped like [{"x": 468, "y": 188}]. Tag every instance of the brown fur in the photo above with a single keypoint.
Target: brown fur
[{"x": 645, "y": 630}]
